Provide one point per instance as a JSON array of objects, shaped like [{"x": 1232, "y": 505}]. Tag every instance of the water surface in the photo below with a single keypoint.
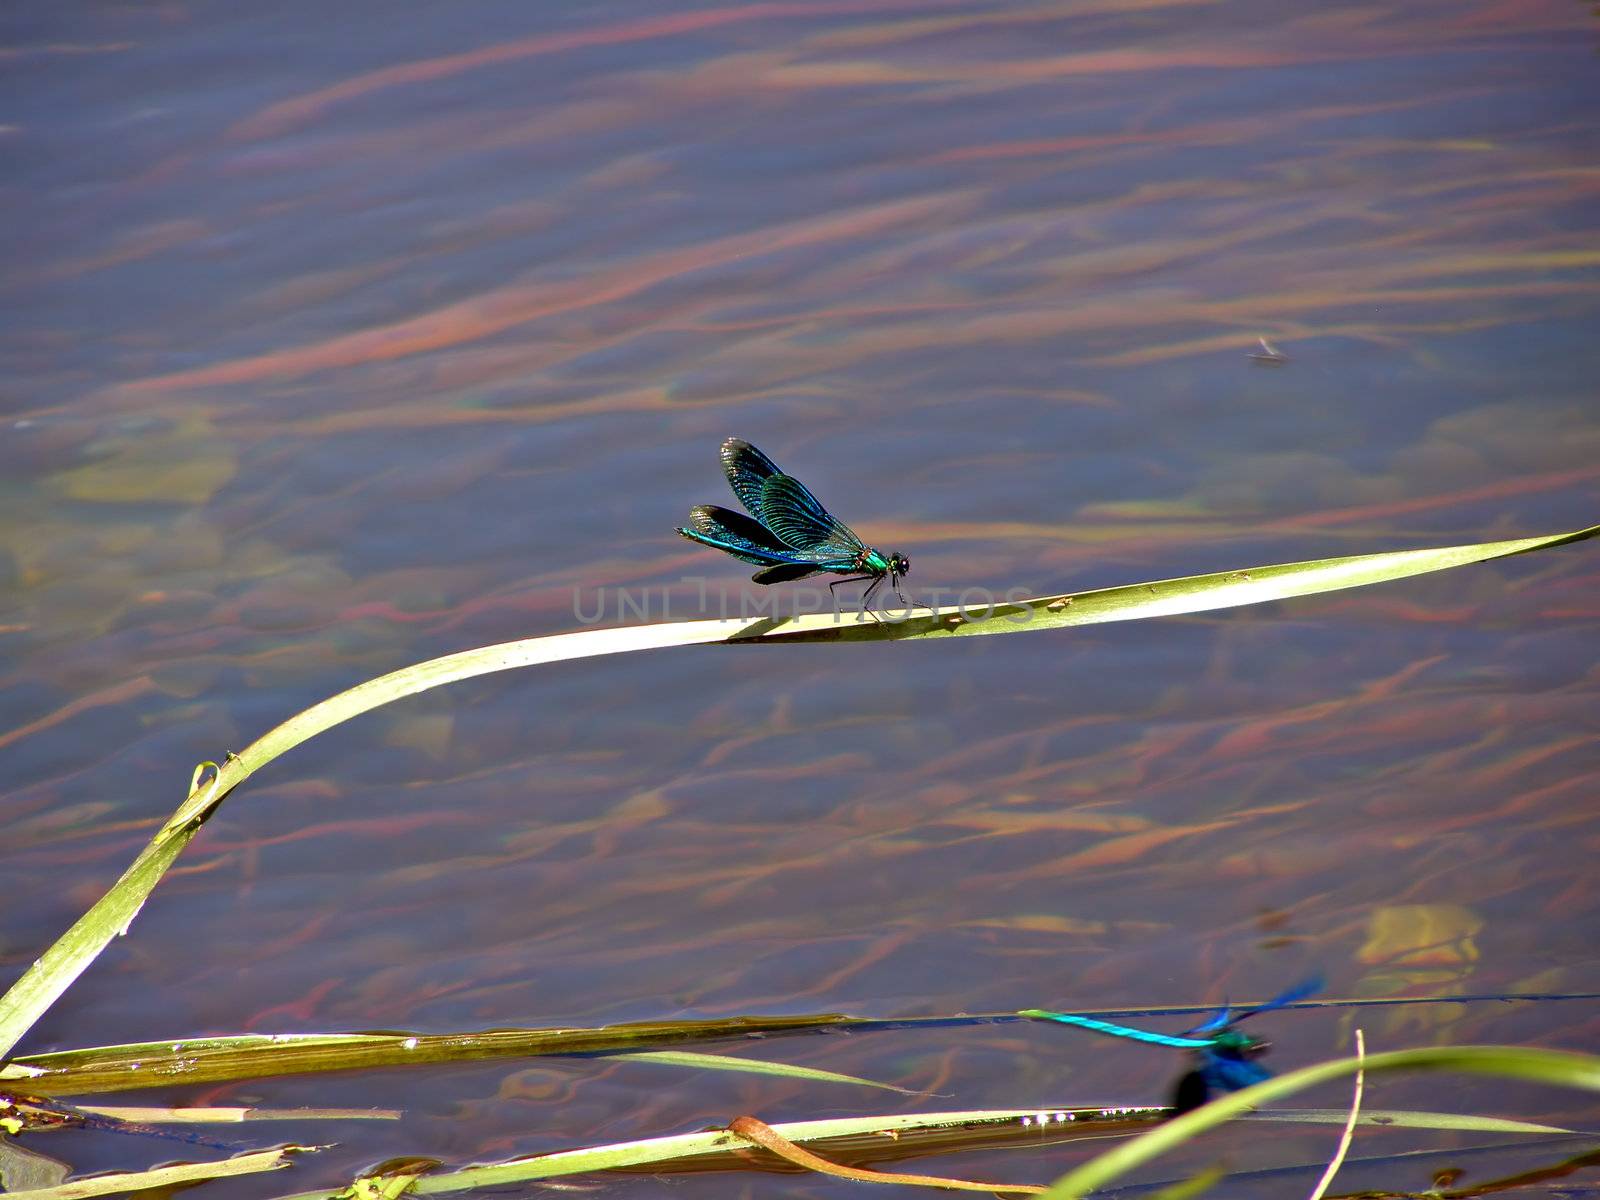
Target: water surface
[{"x": 338, "y": 338}]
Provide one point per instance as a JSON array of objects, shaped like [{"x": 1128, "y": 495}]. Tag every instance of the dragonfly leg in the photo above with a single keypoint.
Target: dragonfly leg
[
  {"x": 850, "y": 579},
  {"x": 866, "y": 597}
]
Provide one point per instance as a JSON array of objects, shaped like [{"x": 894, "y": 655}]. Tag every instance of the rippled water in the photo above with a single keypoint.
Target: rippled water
[{"x": 338, "y": 337}]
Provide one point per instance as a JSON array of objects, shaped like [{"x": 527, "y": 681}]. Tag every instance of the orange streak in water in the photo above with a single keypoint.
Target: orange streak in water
[
  {"x": 1399, "y": 610},
  {"x": 1117, "y": 851},
  {"x": 119, "y": 694},
  {"x": 1507, "y": 770},
  {"x": 503, "y": 308},
  {"x": 365, "y": 828},
  {"x": 287, "y": 114},
  {"x": 1225, "y": 131},
  {"x": 297, "y": 1011},
  {"x": 877, "y": 950},
  {"x": 1490, "y": 491},
  {"x": 1256, "y": 737}
]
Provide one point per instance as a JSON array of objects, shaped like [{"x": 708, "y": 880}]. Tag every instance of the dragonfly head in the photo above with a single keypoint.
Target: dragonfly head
[{"x": 899, "y": 565}]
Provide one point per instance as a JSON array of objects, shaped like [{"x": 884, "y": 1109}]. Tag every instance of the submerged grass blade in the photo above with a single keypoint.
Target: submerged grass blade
[
  {"x": 181, "y": 1175},
  {"x": 752, "y": 1066},
  {"x": 1287, "y": 1177},
  {"x": 233, "y": 1115},
  {"x": 1407, "y": 1118},
  {"x": 24, "y": 1170},
  {"x": 1541, "y": 1066},
  {"x": 1197, "y": 1185},
  {"x": 55, "y": 970}
]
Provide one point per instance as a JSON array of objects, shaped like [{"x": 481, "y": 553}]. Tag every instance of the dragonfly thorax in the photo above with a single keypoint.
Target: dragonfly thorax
[
  {"x": 1234, "y": 1044},
  {"x": 874, "y": 562}
]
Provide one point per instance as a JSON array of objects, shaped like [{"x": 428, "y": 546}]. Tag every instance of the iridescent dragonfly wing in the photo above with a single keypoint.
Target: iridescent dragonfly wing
[
  {"x": 747, "y": 470},
  {"x": 747, "y": 540},
  {"x": 1224, "y": 1016},
  {"x": 785, "y": 505},
  {"x": 786, "y": 573},
  {"x": 790, "y": 510}
]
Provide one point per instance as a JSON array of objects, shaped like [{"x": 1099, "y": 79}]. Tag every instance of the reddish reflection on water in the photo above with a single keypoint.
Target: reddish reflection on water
[{"x": 337, "y": 339}]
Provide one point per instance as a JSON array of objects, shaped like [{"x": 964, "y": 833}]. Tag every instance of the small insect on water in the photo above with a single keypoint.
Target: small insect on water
[
  {"x": 1225, "y": 1058},
  {"x": 788, "y": 533},
  {"x": 1269, "y": 354}
]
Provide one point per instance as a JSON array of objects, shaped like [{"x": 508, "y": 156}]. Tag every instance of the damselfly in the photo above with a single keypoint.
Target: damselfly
[
  {"x": 788, "y": 533},
  {"x": 1225, "y": 1058}
]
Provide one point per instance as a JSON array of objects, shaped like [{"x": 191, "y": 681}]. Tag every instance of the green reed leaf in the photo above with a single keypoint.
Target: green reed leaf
[
  {"x": 55, "y": 970},
  {"x": 919, "y": 1133},
  {"x": 254, "y": 1056},
  {"x": 645, "y": 1152}
]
